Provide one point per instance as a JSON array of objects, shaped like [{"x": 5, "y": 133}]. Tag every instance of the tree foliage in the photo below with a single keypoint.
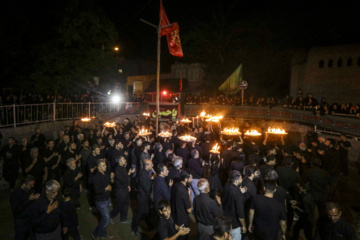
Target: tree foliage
[{"x": 80, "y": 50}]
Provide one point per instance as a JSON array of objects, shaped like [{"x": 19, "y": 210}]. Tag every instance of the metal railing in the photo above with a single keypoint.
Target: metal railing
[{"x": 15, "y": 115}]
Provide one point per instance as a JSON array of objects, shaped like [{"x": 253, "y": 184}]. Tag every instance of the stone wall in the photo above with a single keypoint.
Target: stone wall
[{"x": 332, "y": 72}]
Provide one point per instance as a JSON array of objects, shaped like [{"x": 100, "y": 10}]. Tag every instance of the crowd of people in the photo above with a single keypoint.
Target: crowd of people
[
  {"x": 321, "y": 107},
  {"x": 254, "y": 187}
]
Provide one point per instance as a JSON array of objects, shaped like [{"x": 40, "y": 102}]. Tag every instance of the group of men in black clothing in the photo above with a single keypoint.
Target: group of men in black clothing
[{"x": 253, "y": 188}]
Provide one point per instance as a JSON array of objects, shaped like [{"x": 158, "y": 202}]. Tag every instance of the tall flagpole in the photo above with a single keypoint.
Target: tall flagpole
[{"x": 158, "y": 78}]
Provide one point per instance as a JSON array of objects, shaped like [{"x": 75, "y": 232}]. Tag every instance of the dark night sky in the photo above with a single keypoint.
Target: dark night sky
[{"x": 286, "y": 25}]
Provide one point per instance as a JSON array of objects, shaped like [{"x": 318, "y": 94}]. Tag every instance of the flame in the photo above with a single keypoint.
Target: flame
[
  {"x": 185, "y": 120},
  {"x": 146, "y": 114},
  {"x": 231, "y": 131},
  {"x": 85, "y": 119},
  {"x": 165, "y": 134},
  {"x": 216, "y": 148},
  {"x": 187, "y": 138},
  {"x": 252, "y": 133},
  {"x": 202, "y": 114},
  {"x": 276, "y": 131},
  {"x": 214, "y": 119},
  {"x": 143, "y": 131},
  {"x": 108, "y": 124}
]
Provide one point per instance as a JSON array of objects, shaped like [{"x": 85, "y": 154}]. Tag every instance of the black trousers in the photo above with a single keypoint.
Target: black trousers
[
  {"x": 143, "y": 209},
  {"x": 72, "y": 232},
  {"x": 122, "y": 204},
  {"x": 22, "y": 229}
]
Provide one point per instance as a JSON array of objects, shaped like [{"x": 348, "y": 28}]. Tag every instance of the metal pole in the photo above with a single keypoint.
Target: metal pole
[
  {"x": 242, "y": 96},
  {"x": 14, "y": 115},
  {"x": 158, "y": 80},
  {"x": 54, "y": 110},
  {"x": 89, "y": 109}
]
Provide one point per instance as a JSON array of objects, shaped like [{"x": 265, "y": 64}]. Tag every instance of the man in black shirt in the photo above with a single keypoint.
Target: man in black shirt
[
  {"x": 102, "y": 190},
  {"x": 166, "y": 227},
  {"x": 162, "y": 190},
  {"x": 332, "y": 226},
  {"x": 196, "y": 165},
  {"x": 122, "y": 189},
  {"x": 36, "y": 167},
  {"x": 46, "y": 214},
  {"x": 222, "y": 229},
  {"x": 72, "y": 180},
  {"x": 233, "y": 205},
  {"x": 11, "y": 153},
  {"x": 183, "y": 152},
  {"x": 205, "y": 208},
  {"x": 91, "y": 163},
  {"x": 267, "y": 215},
  {"x": 38, "y": 140},
  {"x": 175, "y": 169},
  {"x": 181, "y": 199},
  {"x": 20, "y": 201},
  {"x": 251, "y": 174},
  {"x": 143, "y": 195}
]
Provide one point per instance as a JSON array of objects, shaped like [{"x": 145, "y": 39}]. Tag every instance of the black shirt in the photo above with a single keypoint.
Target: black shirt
[
  {"x": 166, "y": 228},
  {"x": 206, "y": 209},
  {"x": 101, "y": 181},
  {"x": 37, "y": 170},
  {"x": 184, "y": 153},
  {"x": 251, "y": 190},
  {"x": 318, "y": 180},
  {"x": 121, "y": 179},
  {"x": 69, "y": 216},
  {"x": 288, "y": 177},
  {"x": 233, "y": 204},
  {"x": 41, "y": 221},
  {"x": 280, "y": 194},
  {"x": 180, "y": 200},
  {"x": 161, "y": 190},
  {"x": 195, "y": 165},
  {"x": 267, "y": 216},
  {"x": 145, "y": 182},
  {"x": 20, "y": 203},
  {"x": 69, "y": 179},
  {"x": 326, "y": 229}
]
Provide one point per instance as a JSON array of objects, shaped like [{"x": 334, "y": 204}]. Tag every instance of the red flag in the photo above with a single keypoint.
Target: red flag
[
  {"x": 172, "y": 33},
  {"x": 180, "y": 83}
]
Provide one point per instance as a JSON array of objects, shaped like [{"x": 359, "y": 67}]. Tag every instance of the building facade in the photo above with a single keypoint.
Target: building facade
[{"x": 331, "y": 72}]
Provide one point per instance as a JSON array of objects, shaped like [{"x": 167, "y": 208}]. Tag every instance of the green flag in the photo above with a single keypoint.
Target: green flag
[{"x": 232, "y": 85}]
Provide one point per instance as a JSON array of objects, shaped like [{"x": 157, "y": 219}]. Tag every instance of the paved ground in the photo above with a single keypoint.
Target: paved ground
[{"x": 348, "y": 195}]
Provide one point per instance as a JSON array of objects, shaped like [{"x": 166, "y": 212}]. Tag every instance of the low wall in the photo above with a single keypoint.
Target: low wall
[{"x": 350, "y": 126}]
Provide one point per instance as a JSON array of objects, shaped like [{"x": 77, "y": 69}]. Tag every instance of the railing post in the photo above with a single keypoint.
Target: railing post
[
  {"x": 89, "y": 110},
  {"x": 14, "y": 115},
  {"x": 54, "y": 110}
]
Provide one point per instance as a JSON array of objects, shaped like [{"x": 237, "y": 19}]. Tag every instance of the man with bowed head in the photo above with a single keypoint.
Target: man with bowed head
[
  {"x": 20, "y": 201},
  {"x": 166, "y": 227},
  {"x": 205, "y": 208},
  {"x": 45, "y": 214},
  {"x": 233, "y": 204}
]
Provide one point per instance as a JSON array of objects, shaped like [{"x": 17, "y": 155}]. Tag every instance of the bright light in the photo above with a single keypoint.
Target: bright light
[
  {"x": 116, "y": 48},
  {"x": 115, "y": 99},
  {"x": 164, "y": 92},
  {"x": 109, "y": 92}
]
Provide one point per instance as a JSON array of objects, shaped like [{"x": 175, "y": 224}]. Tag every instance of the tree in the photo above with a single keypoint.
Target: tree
[{"x": 79, "y": 51}]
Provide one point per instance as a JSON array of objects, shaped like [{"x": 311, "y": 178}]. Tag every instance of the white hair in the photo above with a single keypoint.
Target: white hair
[
  {"x": 202, "y": 185},
  {"x": 52, "y": 185},
  {"x": 177, "y": 161}
]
